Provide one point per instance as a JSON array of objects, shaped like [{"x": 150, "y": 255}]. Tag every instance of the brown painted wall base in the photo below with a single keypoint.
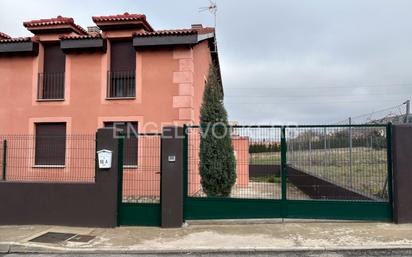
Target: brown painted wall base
[
  {"x": 402, "y": 173},
  {"x": 90, "y": 205},
  {"x": 319, "y": 188},
  {"x": 261, "y": 170},
  {"x": 172, "y": 178}
]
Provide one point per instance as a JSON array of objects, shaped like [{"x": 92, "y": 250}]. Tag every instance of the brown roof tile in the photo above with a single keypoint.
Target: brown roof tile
[
  {"x": 4, "y": 36},
  {"x": 16, "y": 40},
  {"x": 75, "y": 37},
  {"x": 59, "y": 20},
  {"x": 122, "y": 18},
  {"x": 176, "y": 32}
]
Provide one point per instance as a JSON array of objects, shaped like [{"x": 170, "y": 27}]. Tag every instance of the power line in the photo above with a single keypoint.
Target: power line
[
  {"x": 294, "y": 95},
  {"x": 394, "y": 111},
  {"x": 323, "y": 87},
  {"x": 300, "y": 102}
]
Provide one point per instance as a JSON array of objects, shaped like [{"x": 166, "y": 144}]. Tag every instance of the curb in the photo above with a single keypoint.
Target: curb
[
  {"x": 4, "y": 248},
  {"x": 25, "y": 249}
]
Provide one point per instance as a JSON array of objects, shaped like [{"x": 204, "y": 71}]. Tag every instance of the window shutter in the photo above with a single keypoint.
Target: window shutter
[{"x": 50, "y": 144}]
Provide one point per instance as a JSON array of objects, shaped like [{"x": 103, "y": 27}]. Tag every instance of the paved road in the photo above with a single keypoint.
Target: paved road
[{"x": 291, "y": 254}]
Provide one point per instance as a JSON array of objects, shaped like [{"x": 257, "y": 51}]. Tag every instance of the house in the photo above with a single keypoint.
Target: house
[
  {"x": 66, "y": 81},
  {"x": 126, "y": 72}
]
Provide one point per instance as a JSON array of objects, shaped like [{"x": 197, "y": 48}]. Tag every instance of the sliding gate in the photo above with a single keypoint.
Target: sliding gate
[{"x": 316, "y": 172}]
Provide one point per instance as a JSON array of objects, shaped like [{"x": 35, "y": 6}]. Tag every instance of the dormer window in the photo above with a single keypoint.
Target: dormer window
[
  {"x": 48, "y": 31},
  {"x": 51, "y": 80}
]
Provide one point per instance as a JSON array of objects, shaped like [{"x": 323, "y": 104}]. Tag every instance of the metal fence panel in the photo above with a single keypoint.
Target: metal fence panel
[
  {"x": 338, "y": 163},
  {"x": 20, "y": 162},
  {"x": 311, "y": 171},
  {"x": 257, "y": 154},
  {"x": 141, "y": 182}
]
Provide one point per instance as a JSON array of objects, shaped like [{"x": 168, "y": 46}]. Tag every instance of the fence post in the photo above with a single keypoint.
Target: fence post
[
  {"x": 283, "y": 149},
  {"x": 120, "y": 153},
  {"x": 402, "y": 176},
  {"x": 310, "y": 150},
  {"x": 185, "y": 165},
  {"x": 107, "y": 180},
  {"x": 4, "y": 159},
  {"x": 172, "y": 177},
  {"x": 389, "y": 160}
]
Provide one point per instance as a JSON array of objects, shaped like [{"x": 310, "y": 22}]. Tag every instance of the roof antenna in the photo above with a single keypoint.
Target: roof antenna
[{"x": 212, "y": 8}]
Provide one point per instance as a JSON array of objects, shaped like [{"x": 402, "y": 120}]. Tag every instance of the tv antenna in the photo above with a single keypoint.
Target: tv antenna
[{"x": 212, "y": 8}]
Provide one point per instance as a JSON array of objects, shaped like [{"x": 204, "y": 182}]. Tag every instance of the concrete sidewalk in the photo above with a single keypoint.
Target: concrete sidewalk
[{"x": 202, "y": 238}]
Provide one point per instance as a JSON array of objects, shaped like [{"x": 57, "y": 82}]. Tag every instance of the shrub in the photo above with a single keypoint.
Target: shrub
[{"x": 217, "y": 160}]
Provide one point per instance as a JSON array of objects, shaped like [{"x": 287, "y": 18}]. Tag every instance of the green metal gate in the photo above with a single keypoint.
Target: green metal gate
[
  {"x": 139, "y": 165},
  {"x": 314, "y": 172}
]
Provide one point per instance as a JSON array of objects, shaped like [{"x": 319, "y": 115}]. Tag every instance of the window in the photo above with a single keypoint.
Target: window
[
  {"x": 129, "y": 130},
  {"x": 121, "y": 82},
  {"x": 51, "y": 81},
  {"x": 50, "y": 144}
]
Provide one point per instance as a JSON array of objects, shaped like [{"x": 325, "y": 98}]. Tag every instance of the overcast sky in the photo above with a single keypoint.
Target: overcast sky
[{"x": 282, "y": 61}]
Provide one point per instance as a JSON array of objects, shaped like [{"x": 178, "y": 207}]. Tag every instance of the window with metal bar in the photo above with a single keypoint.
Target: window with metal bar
[
  {"x": 51, "y": 80},
  {"x": 121, "y": 84},
  {"x": 121, "y": 79}
]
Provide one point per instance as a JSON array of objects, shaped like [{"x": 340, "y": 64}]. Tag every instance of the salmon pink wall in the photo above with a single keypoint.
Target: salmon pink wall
[
  {"x": 201, "y": 68},
  {"x": 241, "y": 150},
  {"x": 169, "y": 86},
  {"x": 86, "y": 83}
]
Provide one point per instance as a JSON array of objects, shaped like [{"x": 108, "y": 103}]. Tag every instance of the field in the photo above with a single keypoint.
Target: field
[
  {"x": 270, "y": 158},
  {"x": 365, "y": 171}
]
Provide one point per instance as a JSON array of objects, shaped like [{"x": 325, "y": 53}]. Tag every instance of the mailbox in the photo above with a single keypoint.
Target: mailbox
[{"x": 105, "y": 159}]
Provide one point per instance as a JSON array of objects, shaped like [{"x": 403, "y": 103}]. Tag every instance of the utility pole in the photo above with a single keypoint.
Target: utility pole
[
  {"x": 408, "y": 110},
  {"x": 310, "y": 150},
  {"x": 324, "y": 148},
  {"x": 350, "y": 151}
]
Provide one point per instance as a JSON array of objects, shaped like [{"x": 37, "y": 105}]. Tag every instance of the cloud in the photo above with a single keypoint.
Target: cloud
[{"x": 282, "y": 60}]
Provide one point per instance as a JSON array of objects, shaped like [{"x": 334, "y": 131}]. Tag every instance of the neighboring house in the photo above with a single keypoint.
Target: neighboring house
[{"x": 68, "y": 81}]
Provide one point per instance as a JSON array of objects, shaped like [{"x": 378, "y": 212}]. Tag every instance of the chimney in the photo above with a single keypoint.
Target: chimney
[
  {"x": 197, "y": 26},
  {"x": 93, "y": 30}
]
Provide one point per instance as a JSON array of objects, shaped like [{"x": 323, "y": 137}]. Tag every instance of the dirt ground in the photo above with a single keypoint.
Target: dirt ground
[{"x": 263, "y": 190}]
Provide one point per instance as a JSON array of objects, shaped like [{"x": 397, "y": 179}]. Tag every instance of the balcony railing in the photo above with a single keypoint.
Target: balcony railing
[
  {"x": 50, "y": 86},
  {"x": 121, "y": 84}
]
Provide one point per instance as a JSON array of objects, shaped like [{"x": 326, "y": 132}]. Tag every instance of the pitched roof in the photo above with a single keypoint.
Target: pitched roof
[
  {"x": 59, "y": 20},
  {"x": 125, "y": 18},
  {"x": 120, "y": 17},
  {"x": 4, "y": 36},
  {"x": 176, "y": 32},
  {"x": 76, "y": 37},
  {"x": 16, "y": 40}
]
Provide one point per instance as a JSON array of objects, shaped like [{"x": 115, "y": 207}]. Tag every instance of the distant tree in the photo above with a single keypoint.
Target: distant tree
[
  {"x": 217, "y": 159},
  {"x": 264, "y": 148},
  {"x": 378, "y": 140}
]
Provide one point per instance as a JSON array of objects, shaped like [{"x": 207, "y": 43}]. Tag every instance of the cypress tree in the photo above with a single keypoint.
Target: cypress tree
[{"x": 217, "y": 159}]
